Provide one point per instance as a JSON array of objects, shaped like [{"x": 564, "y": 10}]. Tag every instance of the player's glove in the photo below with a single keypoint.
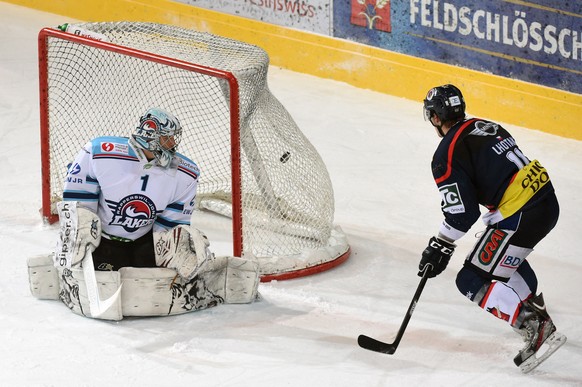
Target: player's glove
[
  {"x": 435, "y": 257},
  {"x": 80, "y": 229}
]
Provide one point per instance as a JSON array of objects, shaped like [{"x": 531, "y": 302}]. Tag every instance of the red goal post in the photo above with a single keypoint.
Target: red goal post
[{"x": 257, "y": 167}]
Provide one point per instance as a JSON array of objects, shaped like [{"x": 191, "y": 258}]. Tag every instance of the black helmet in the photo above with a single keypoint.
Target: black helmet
[{"x": 446, "y": 102}]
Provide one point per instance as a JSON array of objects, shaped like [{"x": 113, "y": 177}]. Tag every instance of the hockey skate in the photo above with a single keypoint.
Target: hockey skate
[{"x": 539, "y": 333}]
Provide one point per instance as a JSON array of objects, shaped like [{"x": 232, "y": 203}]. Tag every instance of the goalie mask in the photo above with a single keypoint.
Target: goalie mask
[{"x": 159, "y": 132}]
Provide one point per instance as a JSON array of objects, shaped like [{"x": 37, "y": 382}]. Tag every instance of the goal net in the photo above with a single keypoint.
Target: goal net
[{"x": 257, "y": 167}]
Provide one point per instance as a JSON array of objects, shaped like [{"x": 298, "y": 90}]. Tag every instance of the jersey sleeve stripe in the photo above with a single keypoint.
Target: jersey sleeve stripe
[
  {"x": 168, "y": 223},
  {"x": 175, "y": 207},
  {"x": 81, "y": 196},
  {"x": 112, "y": 156},
  {"x": 451, "y": 150},
  {"x": 188, "y": 172}
]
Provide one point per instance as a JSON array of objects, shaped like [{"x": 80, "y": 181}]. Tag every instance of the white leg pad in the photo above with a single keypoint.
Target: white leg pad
[
  {"x": 242, "y": 280},
  {"x": 43, "y": 277},
  {"x": 148, "y": 291},
  {"x": 162, "y": 292},
  {"x": 74, "y": 292}
]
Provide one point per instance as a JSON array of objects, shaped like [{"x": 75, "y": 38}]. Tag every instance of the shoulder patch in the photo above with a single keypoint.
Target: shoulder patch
[
  {"x": 451, "y": 199},
  {"x": 112, "y": 147},
  {"x": 188, "y": 166}
]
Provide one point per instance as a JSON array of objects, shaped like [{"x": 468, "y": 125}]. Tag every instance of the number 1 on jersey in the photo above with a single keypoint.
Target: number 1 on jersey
[{"x": 144, "y": 183}]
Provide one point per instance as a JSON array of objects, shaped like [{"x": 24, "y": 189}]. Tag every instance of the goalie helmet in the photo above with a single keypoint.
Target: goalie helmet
[
  {"x": 159, "y": 132},
  {"x": 446, "y": 102}
]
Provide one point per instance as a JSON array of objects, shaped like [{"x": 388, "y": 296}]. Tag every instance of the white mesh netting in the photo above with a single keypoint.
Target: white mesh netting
[{"x": 286, "y": 194}]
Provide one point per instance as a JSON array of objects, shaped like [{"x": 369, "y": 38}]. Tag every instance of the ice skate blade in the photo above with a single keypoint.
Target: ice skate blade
[{"x": 551, "y": 345}]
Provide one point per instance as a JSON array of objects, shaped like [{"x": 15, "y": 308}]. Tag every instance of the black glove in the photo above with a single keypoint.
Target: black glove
[{"x": 436, "y": 256}]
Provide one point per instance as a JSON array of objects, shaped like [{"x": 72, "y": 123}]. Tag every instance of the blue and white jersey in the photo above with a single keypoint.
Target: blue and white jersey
[{"x": 130, "y": 194}]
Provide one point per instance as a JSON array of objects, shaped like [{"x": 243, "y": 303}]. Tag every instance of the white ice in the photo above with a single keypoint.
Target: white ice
[{"x": 303, "y": 332}]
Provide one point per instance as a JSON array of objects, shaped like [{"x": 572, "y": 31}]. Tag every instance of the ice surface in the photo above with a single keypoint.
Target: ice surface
[{"x": 303, "y": 332}]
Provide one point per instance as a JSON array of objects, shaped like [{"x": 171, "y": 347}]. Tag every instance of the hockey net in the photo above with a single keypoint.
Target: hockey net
[{"x": 257, "y": 167}]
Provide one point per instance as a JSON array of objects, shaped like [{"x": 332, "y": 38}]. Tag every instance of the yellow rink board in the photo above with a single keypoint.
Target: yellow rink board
[{"x": 489, "y": 96}]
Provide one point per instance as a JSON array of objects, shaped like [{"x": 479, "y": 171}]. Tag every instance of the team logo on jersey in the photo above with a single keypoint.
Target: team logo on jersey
[
  {"x": 74, "y": 169},
  {"x": 114, "y": 147},
  {"x": 451, "y": 199},
  {"x": 107, "y": 147},
  {"x": 134, "y": 212},
  {"x": 485, "y": 129}
]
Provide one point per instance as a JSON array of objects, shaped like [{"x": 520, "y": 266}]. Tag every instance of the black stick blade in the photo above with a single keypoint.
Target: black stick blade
[{"x": 371, "y": 344}]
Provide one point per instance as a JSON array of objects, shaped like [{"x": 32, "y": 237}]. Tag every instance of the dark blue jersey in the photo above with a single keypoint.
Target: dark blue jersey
[{"x": 477, "y": 163}]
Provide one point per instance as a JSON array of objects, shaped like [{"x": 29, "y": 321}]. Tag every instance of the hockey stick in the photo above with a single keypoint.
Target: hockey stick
[
  {"x": 372, "y": 344},
  {"x": 97, "y": 306}
]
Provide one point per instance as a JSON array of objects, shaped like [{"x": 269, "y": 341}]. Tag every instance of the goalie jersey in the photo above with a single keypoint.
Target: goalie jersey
[{"x": 130, "y": 194}]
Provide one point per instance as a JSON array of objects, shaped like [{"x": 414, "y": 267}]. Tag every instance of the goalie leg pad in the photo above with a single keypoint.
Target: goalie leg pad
[
  {"x": 237, "y": 279},
  {"x": 162, "y": 292},
  {"x": 43, "y": 277},
  {"x": 242, "y": 280},
  {"x": 74, "y": 292}
]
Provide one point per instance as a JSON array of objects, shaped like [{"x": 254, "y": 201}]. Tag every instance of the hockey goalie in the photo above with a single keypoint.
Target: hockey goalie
[{"x": 125, "y": 244}]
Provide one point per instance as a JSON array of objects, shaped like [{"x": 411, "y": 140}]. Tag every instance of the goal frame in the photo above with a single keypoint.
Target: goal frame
[
  {"x": 235, "y": 156},
  {"x": 43, "y": 38}
]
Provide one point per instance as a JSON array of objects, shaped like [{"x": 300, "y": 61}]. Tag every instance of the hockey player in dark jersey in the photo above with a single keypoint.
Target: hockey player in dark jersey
[{"x": 478, "y": 163}]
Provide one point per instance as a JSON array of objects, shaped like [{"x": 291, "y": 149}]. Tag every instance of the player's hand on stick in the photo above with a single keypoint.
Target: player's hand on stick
[{"x": 435, "y": 257}]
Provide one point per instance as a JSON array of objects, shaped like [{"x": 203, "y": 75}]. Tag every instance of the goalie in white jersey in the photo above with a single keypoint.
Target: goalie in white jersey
[
  {"x": 135, "y": 186},
  {"x": 127, "y": 204}
]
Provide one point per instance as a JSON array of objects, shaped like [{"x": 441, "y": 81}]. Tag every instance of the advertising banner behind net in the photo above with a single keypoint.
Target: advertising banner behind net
[
  {"x": 538, "y": 41},
  {"x": 306, "y": 15}
]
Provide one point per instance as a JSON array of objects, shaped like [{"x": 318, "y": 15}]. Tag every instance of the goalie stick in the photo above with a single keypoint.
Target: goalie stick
[
  {"x": 98, "y": 306},
  {"x": 372, "y": 344}
]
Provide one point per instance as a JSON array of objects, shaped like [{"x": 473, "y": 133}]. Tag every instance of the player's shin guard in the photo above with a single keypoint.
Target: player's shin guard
[{"x": 502, "y": 299}]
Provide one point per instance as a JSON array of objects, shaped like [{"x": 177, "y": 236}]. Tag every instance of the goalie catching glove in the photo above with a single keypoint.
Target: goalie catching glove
[
  {"x": 435, "y": 257},
  {"x": 182, "y": 248},
  {"x": 80, "y": 230}
]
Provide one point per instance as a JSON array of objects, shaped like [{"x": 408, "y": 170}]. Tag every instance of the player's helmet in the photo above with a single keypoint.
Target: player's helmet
[
  {"x": 446, "y": 102},
  {"x": 156, "y": 123}
]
